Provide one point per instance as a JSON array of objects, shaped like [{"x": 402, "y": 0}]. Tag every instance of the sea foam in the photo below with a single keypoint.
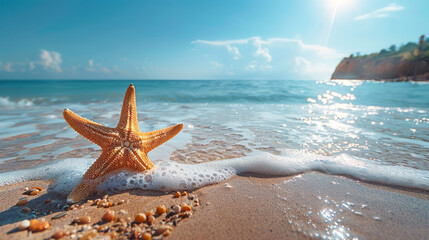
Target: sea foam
[{"x": 170, "y": 176}]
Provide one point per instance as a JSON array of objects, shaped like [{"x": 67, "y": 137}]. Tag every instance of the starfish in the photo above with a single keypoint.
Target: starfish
[{"x": 124, "y": 147}]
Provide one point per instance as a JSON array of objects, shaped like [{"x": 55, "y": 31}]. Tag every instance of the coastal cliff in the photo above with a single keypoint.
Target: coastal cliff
[{"x": 409, "y": 62}]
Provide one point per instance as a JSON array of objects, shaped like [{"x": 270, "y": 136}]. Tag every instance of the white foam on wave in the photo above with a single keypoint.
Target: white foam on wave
[
  {"x": 169, "y": 176},
  {"x": 5, "y": 101}
]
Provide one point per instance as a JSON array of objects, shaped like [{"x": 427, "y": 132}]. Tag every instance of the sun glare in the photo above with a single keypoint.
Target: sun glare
[
  {"x": 338, "y": 3},
  {"x": 334, "y": 5}
]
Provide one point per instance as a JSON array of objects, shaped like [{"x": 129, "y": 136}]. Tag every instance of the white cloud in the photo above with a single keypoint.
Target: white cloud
[
  {"x": 50, "y": 60},
  {"x": 8, "y": 67},
  {"x": 382, "y": 12},
  {"x": 90, "y": 66},
  {"x": 275, "y": 58},
  {"x": 251, "y": 67},
  {"x": 310, "y": 69},
  {"x": 216, "y": 64},
  {"x": 105, "y": 70},
  {"x": 261, "y": 51},
  {"x": 32, "y": 66},
  {"x": 234, "y": 51},
  {"x": 262, "y": 46}
]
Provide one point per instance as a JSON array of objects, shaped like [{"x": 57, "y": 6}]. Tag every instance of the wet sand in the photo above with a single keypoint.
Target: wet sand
[{"x": 312, "y": 205}]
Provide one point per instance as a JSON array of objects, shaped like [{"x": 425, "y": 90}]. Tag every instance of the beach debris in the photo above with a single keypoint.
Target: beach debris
[
  {"x": 123, "y": 212},
  {"x": 47, "y": 201},
  {"x": 162, "y": 229},
  {"x": 161, "y": 209},
  {"x": 150, "y": 213},
  {"x": 177, "y": 194},
  {"x": 38, "y": 225},
  {"x": 140, "y": 218},
  {"x": 152, "y": 224},
  {"x": 108, "y": 216},
  {"x": 59, "y": 215},
  {"x": 24, "y": 224},
  {"x": 38, "y": 188},
  {"x": 60, "y": 234},
  {"x": 34, "y": 192},
  {"x": 121, "y": 201},
  {"x": 150, "y": 219},
  {"x": 227, "y": 185},
  {"x": 184, "y": 193},
  {"x": 177, "y": 209},
  {"x": 185, "y": 207},
  {"x": 26, "y": 209},
  {"x": 22, "y": 201},
  {"x": 89, "y": 235},
  {"x": 83, "y": 220},
  {"x": 109, "y": 161}
]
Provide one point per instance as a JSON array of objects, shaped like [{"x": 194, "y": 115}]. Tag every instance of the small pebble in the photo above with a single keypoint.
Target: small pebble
[
  {"x": 121, "y": 201},
  {"x": 150, "y": 219},
  {"x": 89, "y": 235},
  {"x": 177, "y": 195},
  {"x": 140, "y": 218},
  {"x": 108, "y": 216},
  {"x": 184, "y": 193},
  {"x": 177, "y": 209},
  {"x": 60, "y": 234},
  {"x": 150, "y": 213},
  {"x": 24, "y": 224},
  {"x": 83, "y": 220},
  {"x": 34, "y": 192},
  {"x": 38, "y": 226},
  {"x": 147, "y": 236},
  {"x": 60, "y": 215},
  {"x": 167, "y": 233},
  {"x": 105, "y": 196},
  {"x": 22, "y": 201},
  {"x": 123, "y": 212},
  {"x": 162, "y": 229},
  {"x": 26, "y": 209},
  {"x": 161, "y": 209},
  {"x": 185, "y": 214},
  {"x": 185, "y": 207},
  {"x": 47, "y": 201}
]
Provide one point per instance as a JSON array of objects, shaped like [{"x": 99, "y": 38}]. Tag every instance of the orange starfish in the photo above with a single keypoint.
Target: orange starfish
[{"x": 124, "y": 147}]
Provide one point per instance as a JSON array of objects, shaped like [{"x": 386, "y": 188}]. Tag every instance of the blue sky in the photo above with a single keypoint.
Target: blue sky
[{"x": 198, "y": 39}]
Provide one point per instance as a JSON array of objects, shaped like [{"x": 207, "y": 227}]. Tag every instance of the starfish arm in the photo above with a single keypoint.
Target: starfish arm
[
  {"x": 95, "y": 175},
  {"x": 94, "y": 132},
  {"x": 108, "y": 162},
  {"x": 142, "y": 161},
  {"x": 155, "y": 138},
  {"x": 83, "y": 190},
  {"x": 128, "y": 120}
]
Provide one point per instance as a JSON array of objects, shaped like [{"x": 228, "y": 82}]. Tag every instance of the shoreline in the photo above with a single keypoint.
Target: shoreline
[{"x": 310, "y": 205}]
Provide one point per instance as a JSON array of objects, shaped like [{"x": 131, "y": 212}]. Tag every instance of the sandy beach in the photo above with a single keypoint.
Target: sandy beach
[{"x": 310, "y": 205}]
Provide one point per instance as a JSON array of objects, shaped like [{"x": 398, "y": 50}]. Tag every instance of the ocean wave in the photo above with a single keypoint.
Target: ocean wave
[
  {"x": 169, "y": 176},
  {"x": 24, "y": 102}
]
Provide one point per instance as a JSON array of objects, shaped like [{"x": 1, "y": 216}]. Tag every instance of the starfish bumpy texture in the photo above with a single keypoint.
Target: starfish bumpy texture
[{"x": 124, "y": 147}]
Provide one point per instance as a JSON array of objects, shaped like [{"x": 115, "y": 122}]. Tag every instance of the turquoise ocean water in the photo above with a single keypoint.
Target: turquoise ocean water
[{"x": 382, "y": 124}]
